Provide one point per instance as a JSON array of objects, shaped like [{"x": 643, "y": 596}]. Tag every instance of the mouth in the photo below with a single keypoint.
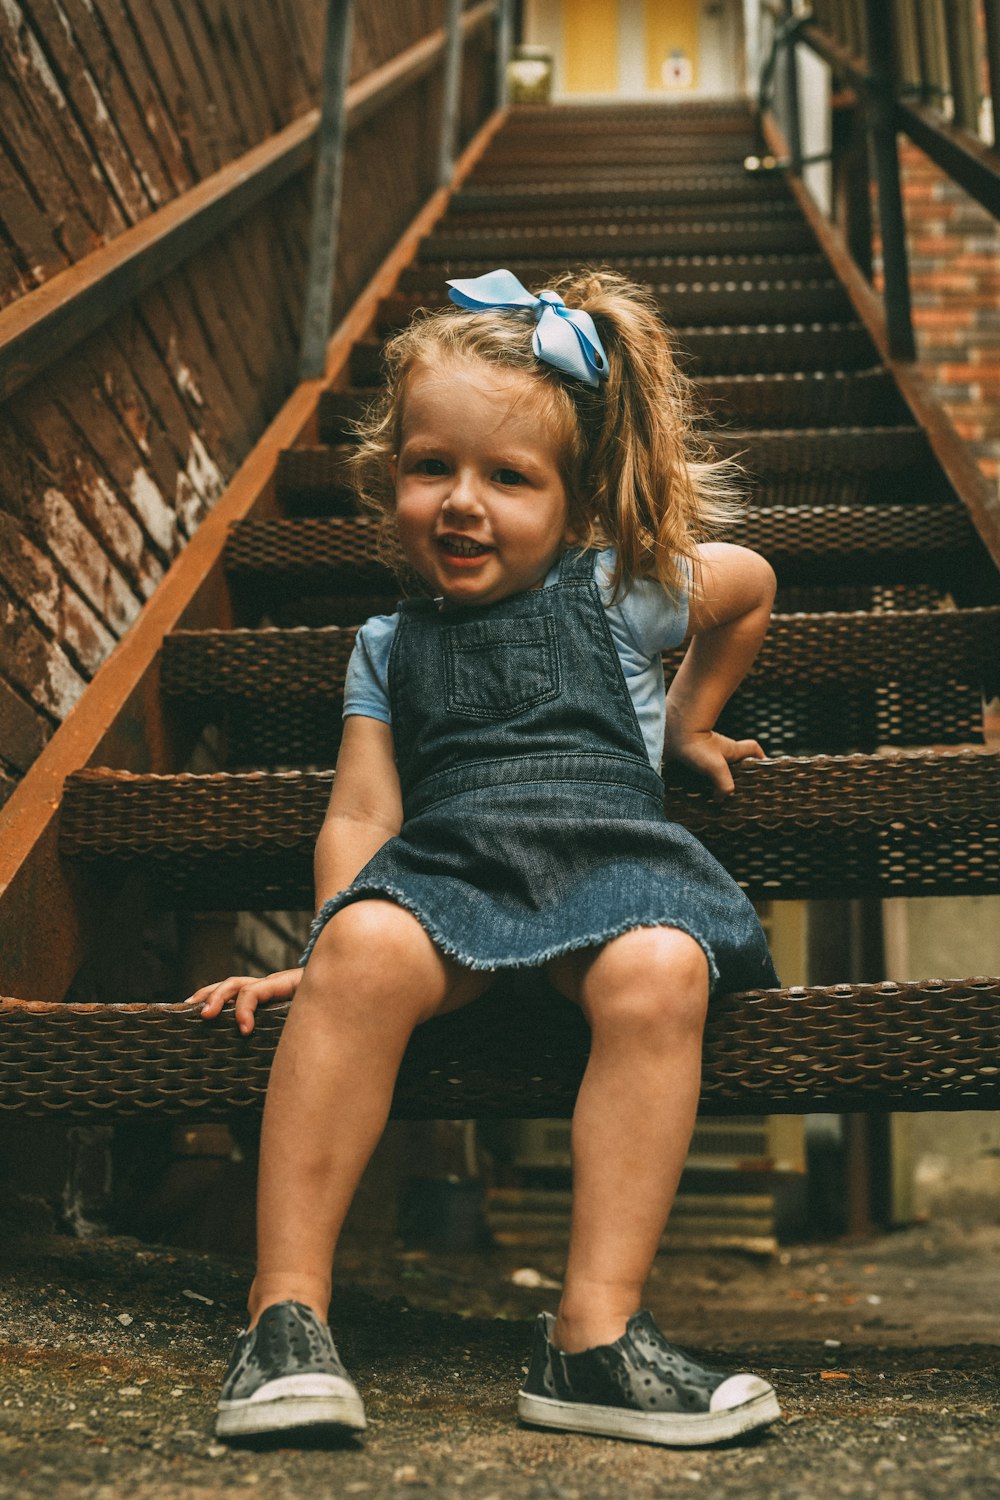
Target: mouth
[{"x": 462, "y": 546}]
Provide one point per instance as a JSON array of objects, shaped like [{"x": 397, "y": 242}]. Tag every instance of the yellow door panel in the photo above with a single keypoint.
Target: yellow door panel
[
  {"x": 590, "y": 46},
  {"x": 671, "y": 45}
]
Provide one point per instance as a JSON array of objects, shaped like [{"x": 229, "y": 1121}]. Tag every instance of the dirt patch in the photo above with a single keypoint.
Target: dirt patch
[{"x": 883, "y": 1352}]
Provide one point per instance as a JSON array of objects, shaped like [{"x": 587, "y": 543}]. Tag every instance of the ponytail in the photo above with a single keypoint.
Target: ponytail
[{"x": 649, "y": 485}]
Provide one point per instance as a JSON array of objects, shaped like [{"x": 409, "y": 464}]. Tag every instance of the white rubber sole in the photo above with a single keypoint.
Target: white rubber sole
[
  {"x": 294, "y": 1401},
  {"x": 670, "y": 1429}
]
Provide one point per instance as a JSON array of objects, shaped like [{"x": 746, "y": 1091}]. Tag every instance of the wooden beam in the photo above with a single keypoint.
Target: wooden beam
[{"x": 44, "y": 908}]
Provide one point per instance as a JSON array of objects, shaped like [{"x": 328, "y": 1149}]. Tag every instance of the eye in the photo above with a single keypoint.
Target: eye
[
  {"x": 432, "y": 466},
  {"x": 510, "y": 477}
]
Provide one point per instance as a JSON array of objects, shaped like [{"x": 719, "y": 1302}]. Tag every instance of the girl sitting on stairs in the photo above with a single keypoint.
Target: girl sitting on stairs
[{"x": 497, "y": 806}]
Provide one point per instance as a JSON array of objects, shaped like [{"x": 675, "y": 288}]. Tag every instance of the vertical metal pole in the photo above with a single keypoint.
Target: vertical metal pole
[
  {"x": 504, "y": 42},
  {"x": 882, "y": 123},
  {"x": 450, "y": 96},
  {"x": 792, "y": 96},
  {"x": 992, "y": 10},
  {"x": 961, "y": 40},
  {"x": 326, "y": 191}
]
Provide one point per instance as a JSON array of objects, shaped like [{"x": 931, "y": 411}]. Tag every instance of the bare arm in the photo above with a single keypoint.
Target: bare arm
[
  {"x": 365, "y": 809},
  {"x": 728, "y": 622}
]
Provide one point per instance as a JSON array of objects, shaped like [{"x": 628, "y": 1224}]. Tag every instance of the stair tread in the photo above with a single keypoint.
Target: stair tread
[
  {"x": 909, "y": 823},
  {"x": 912, "y": 644},
  {"x": 521, "y": 1050}
]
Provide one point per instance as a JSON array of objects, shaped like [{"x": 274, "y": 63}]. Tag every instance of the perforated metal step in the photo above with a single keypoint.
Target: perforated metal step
[{"x": 801, "y": 827}]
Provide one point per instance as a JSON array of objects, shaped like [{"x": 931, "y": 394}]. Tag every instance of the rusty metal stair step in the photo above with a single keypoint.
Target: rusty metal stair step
[
  {"x": 813, "y": 398},
  {"x": 805, "y": 466},
  {"x": 795, "y": 265},
  {"x": 520, "y": 1051},
  {"x": 914, "y": 542},
  {"x": 619, "y": 189},
  {"x": 830, "y": 398},
  {"x": 825, "y": 681},
  {"x": 580, "y": 244},
  {"x": 723, "y": 350},
  {"x": 694, "y": 304},
  {"x": 624, "y": 218},
  {"x": 913, "y": 823}
]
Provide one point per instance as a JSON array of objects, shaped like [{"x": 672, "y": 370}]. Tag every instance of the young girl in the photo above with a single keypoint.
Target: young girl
[{"x": 498, "y": 805}]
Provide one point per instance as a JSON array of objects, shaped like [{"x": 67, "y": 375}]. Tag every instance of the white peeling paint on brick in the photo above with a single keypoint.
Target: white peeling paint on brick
[
  {"x": 51, "y": 681},
  {"x": 189, "y": 505},
  {"x": 183, "y": 374},
  {"x": 120, "y": 533},
  {"x": 156, "y": 515},
  {"x": 61, "y": 610},
  {"x": 83, "y": 558},
  {"x": 204, "y": 471},
  {"x": 35, "y": 57}
]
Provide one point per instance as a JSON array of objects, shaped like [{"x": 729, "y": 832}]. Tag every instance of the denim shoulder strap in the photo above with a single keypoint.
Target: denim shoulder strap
[{"x": 576, "y": 564}]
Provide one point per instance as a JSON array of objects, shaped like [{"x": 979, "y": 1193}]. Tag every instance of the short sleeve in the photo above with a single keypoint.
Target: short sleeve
[
  {"x": 366, "y": 686},
  {"x": 655, "y": 618}
]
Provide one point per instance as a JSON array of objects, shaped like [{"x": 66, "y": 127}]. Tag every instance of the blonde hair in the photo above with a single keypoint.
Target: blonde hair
[{"x": 638, "y": 477}]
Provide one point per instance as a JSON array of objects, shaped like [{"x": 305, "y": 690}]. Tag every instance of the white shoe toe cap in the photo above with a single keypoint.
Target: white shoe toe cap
[{"x": 737, "y": 1391}]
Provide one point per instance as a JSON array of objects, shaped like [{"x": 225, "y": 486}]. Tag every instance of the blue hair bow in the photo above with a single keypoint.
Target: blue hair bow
[{"x": 565, "y": 337}]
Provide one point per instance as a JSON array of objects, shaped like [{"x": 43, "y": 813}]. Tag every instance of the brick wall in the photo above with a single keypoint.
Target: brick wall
[{"x": 954, "y": 247}]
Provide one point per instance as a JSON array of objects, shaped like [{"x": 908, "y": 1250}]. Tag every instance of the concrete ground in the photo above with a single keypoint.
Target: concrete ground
[{"x": 884, "y": 1353}]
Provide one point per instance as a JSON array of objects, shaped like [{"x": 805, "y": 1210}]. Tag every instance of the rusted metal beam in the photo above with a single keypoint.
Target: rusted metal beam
[
  {"x": 451, "y": 92},
  {"x": 965, "y": 158},
  {"x": 45, "y": 324},
  {"x": 951, "y": 451},
  {"x": 44, "y": 912},
  {"x": 325, "y": 224}
]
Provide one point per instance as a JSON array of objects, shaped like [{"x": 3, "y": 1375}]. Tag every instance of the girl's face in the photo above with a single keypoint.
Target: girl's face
[{"x": 481, "y": 508}]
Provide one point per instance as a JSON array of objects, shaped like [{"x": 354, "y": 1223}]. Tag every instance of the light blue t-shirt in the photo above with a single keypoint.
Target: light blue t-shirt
[{"x": 644, "y": 622}]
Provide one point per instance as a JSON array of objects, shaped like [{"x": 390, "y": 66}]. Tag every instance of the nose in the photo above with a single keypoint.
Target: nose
[{"x": 463, "y": 496}]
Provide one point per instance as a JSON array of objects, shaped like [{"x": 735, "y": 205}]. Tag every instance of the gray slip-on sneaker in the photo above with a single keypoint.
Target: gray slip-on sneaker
[
  {"x": 640, "y": 1387},
  {"x": 286, "y": 1373}
]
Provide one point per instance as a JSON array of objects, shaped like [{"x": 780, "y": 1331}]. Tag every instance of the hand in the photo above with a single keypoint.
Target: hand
[
  {"x": 712, "y": 754},
  {"x": 248, "y": 992}
]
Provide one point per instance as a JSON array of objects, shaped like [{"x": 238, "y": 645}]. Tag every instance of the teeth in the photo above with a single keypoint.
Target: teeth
[{"x": 463, "y": 546}]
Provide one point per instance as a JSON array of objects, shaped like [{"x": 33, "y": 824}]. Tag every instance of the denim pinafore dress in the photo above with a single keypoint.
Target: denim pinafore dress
[{"x": 533, "y": 821}]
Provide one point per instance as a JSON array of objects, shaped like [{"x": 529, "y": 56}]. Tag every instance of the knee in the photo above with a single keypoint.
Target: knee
[
  {"x": 365, "y": 951},
  {"x": 654, "y": 982}
]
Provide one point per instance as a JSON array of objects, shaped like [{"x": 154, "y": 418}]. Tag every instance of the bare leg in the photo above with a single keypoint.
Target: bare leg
[
  {"x": 645, "y": 995},
  {"x": 373, "y": 976}
]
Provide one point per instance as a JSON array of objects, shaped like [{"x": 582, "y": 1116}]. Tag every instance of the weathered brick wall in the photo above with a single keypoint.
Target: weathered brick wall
[
  {"x": 954, "y": 247},
  {"x": 111, "y": 457}
]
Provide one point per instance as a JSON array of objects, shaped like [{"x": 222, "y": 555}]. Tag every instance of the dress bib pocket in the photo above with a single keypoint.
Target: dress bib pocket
[{"x": 494, "y": 669}]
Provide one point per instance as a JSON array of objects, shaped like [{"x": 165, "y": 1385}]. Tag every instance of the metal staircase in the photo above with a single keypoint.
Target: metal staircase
[{"x": 868, "y": 693}]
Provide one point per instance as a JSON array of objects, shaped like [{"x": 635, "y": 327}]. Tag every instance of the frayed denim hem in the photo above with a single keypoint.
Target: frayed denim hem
[{"x": 353, "y": 894}]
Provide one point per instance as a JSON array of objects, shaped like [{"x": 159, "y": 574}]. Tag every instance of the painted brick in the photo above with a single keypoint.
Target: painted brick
[{"x": 79, "y": 552}]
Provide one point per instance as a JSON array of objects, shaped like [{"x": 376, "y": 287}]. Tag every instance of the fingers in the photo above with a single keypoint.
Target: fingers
[
  {"x": 248, "y": 991},
  {"x": 722, "y": 776},
  {"x": 280, "y": 986},
  {"x": 212, "y": 997},
  {"x": 746, "y": 750}
]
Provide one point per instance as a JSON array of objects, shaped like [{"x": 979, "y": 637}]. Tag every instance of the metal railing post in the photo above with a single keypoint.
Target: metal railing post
[
  {"x": 792, "y": 93},
  {"x": 504, "y": 43},
  {"x": 991, "y": 9},
  {"x": 882, "y": 123},
  {"x": 327, "y": 189},
  {"x": 450, "y": 95}
]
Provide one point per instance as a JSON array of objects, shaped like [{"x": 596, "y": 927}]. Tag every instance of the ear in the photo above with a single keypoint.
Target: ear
[{"x": 393, "y": 467}]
